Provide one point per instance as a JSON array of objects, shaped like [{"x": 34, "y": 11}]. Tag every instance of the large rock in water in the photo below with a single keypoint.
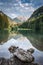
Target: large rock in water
[
  {"x": 14, "y": 61},
  {"x": 21, "y": 54}
]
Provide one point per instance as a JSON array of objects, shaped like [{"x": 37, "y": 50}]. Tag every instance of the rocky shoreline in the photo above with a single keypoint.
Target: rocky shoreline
[{"x": 20, "y": 57}]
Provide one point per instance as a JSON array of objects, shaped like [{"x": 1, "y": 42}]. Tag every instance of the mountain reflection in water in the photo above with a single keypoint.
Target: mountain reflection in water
[
  {"x": 25, "y": 41},
  {"x": 4, "y": 36}
]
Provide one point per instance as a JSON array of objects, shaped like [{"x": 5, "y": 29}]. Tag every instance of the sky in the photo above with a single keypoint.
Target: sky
[{"x": 16, "y": 8}]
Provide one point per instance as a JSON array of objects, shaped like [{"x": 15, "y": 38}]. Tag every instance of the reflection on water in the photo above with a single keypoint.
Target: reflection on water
[
  {"x": 4, "y": 36},
  {"x": 24, "y": 40},
  {"x": 37, "y": 42},
  {"x": 21, "y": 42},
  {"x": 35, "y": 39}
]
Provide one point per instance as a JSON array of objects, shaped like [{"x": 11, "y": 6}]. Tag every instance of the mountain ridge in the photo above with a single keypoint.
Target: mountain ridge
[
  {"x": 35, "y": 22},
  {"x": 17, "y": 20},
  {"x": 6, "y": 21}
]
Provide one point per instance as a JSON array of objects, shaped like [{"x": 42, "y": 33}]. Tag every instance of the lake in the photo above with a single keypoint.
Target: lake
[{"x": 24, "y": 40}]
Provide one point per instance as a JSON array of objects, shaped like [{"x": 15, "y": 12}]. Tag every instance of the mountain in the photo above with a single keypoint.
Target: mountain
[
  {"x": 5, "y": 21},
  {"x": 20, "y": 19},
  {"x": 38, "y": 12},
  {"x": 17, "y": 20},
  {"x": 35, "y": 22}
]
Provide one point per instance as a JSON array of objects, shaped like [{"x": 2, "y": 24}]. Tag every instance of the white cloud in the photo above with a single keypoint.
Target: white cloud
[
  {"x": 25, "y": 4},
  {"x": 12, "y": 15},
  {"x": 21, "y": 5},
  {"x": 1, "y": 3},
  {"x": 26, "y": 7},
  {"x": 17, "y": 0},
  {"x": 15, "y": 4},
  {"x": 13, "y": 9},
  {"x": 29, "y": 9}
]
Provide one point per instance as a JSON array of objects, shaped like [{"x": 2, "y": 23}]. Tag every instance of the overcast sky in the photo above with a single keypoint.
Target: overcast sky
[{"x": 15, "y": 8}]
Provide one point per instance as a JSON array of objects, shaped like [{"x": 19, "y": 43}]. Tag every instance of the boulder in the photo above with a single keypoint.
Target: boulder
[
  {"x": 31, "y": 50},
  {"x": 14, "y": 61},
  {"x": 12, "y": 49},
  {"x": 23, "y": 55}
]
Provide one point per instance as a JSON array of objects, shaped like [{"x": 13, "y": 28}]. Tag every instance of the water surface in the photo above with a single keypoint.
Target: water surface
[{"x": 25, "y": 41}]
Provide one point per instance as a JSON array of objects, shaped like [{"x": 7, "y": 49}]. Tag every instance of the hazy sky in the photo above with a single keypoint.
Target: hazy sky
[{"x": 15, "y": 8}]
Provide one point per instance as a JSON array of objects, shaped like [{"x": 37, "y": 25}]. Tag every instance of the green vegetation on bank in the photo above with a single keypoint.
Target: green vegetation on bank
[{"x": 4, "y": 23}]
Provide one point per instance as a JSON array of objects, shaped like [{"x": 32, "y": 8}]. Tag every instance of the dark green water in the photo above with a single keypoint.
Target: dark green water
[{"x": 36, "y": 40}]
